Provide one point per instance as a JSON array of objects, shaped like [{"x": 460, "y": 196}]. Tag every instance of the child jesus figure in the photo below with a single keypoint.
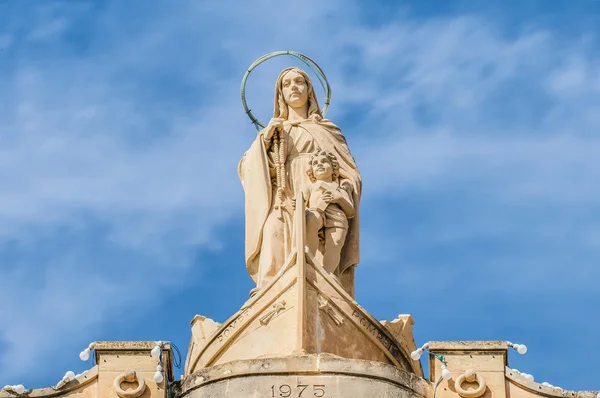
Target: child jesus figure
[{"x": 329, "y": 206}]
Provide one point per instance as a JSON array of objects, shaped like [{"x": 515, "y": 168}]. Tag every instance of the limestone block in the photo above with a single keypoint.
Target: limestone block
[
  {"x": 117, "y": 360},
  {"x": 487, "y": 359}
]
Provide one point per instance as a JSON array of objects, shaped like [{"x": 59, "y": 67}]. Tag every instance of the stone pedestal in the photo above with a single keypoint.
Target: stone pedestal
[{"x": 304, "y": 376}]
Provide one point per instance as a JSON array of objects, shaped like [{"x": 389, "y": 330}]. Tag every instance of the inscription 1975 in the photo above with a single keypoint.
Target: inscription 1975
[{"x": 300, "y": 391}]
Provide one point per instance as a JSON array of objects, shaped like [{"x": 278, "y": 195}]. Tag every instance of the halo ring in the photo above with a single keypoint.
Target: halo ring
[{"x": 309, "y": 62}]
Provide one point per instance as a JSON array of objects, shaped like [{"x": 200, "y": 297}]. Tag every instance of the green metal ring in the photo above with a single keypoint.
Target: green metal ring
[{"x": 309, "y": 62}]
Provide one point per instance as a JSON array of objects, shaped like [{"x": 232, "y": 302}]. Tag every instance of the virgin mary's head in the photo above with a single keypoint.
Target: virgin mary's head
[{"x": 293, "y": 87}]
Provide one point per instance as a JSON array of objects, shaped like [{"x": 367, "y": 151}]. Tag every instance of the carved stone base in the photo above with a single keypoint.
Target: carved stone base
[{"x": 304, "y": 376}]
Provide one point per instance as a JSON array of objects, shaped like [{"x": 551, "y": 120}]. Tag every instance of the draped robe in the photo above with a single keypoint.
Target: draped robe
[{"x": 269, "y": 225}]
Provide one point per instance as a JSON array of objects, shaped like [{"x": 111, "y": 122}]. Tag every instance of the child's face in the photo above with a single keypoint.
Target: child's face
[{"x": 322, "y": 168}]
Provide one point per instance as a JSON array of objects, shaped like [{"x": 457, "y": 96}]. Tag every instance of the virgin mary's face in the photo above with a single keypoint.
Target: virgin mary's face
[{"x": 294, "y": 89}]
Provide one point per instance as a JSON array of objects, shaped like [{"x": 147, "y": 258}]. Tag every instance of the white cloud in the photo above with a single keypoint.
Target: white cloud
[{"x": 549, "y": 168}]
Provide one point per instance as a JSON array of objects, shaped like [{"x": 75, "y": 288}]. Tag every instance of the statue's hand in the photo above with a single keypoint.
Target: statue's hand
[
  {"x": 332, "y": 196},
  {"x": 275, "y": 124}
]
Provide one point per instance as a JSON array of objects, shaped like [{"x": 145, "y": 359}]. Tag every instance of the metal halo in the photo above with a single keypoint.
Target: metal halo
[{"x": 309, "y": 62}]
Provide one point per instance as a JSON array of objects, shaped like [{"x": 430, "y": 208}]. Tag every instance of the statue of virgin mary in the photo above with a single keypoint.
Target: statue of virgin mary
[{"x": 275, "y": 168}]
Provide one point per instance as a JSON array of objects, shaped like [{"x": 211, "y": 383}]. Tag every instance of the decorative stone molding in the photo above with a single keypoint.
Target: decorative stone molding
[
  {"x": 470, "y": 377},
  {"x": 130, "y": 377},
  {"x": 275, "y": 309},
  {"x": 325, "y": 306}
]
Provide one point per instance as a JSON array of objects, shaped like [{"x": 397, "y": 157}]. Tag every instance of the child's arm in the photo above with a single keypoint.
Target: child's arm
[{"x": 345, "y": 201}]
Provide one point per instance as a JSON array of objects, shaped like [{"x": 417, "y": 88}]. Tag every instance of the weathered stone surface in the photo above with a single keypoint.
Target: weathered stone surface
[
  {"x": 485, "y": 345},
  {"x": 303, "y": 376}
]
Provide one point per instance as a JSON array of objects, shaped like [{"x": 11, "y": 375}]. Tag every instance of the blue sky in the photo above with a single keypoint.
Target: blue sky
[{"x": 474, "y": 123}]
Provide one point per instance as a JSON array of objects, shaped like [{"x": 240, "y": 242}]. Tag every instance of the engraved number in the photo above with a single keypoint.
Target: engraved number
[
  {"x": 319, "y": 390},
  {"x": 301, "y": 387},
  {"x": 285, "y": 390}
]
